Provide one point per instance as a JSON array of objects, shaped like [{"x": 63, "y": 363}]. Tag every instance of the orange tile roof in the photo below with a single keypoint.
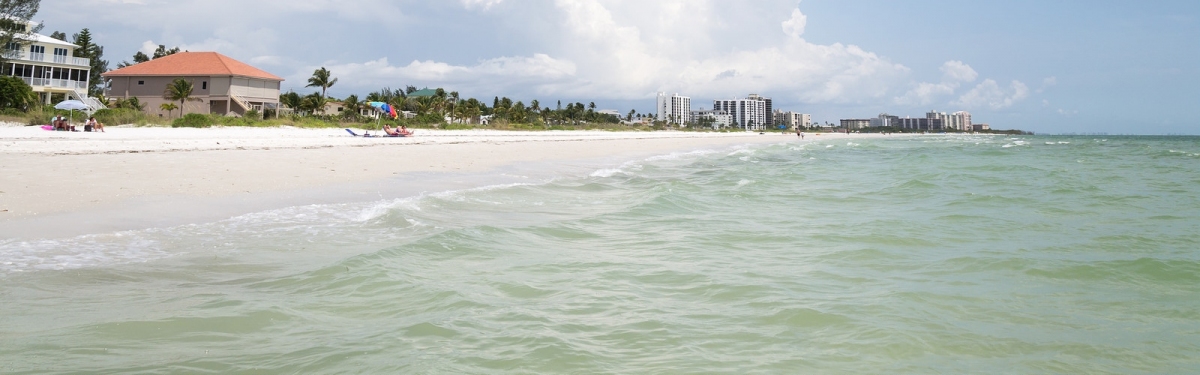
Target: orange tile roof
[{"x": 192, "y": 64}]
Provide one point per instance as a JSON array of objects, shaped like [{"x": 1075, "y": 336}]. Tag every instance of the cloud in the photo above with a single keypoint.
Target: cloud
[
  {"x": 794, "y": 26},
  {"x": 538, "y": 71},
  {"x": 485, "y": 4},
  {"x": 988, "y": 94},
  {"x": 1047, "y": 83},
  {"x": 954, "y": 74}
]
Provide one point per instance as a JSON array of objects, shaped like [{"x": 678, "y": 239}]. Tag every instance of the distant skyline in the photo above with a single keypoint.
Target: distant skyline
[{"x": 1057, "y": 67}]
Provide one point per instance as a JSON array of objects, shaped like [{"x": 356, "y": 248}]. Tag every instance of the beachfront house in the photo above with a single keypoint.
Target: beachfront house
[
  {"x": 221, "y": 85},
  {"x": 48, "y": 65}
]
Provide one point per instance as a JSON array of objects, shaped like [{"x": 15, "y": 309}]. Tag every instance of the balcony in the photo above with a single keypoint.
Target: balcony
[
  {"x": 41, "y": 57},
  {"x": 55, "y": 83}
]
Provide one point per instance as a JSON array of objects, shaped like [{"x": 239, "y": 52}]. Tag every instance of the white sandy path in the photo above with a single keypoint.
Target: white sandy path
[{"x": 58, "y": 173}]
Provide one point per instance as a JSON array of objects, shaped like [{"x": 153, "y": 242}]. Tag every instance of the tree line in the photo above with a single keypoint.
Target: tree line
[{"x": 443, "y": 106}]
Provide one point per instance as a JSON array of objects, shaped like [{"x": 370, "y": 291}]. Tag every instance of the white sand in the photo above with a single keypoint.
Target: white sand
[{"x": 70, "y": 183}]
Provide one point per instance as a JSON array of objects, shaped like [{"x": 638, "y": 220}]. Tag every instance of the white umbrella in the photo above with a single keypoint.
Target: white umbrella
[{"x": 71, "y": 105}]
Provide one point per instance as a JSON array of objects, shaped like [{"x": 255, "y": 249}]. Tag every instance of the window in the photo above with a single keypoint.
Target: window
[
  {"x": 60, "y": 52},
  {"x": 141, "y": 83},
  {"x": 204, "y": 85},
  {"x": 37, "y": 49},
  {"x": 12, "y": 46}
]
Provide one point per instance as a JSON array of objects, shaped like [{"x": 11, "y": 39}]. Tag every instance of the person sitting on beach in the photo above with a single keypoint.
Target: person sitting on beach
[
  {"x": 402, "y": 131},
  {"x": 93, "y": 124},
  {"x": 390, "y": 131},
  {"x": 59, "y": 123}
]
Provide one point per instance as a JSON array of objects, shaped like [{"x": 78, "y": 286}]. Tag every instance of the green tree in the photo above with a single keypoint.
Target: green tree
[
  {"x": 59, "y": 35},
  {"x": 15, "y": 93},
  {"x": 322, "y": 78},
  {"x": 138, "y": 58},
  {"x": 89, "y": 50},
  {"x": 168, "y": 107},
  {"x": 162, "y": 51},
  {"x": 312, "y": 103},
  {"x": 290, "y": 99},
  {"x": 350, "y": 107},
  {"x": 180, "y": 90},
  {"x": 16, "y": 14}
]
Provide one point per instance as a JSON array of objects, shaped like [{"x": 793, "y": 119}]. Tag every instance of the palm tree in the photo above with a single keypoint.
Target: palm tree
[
  {"x": 323, "y": 79},
  {"x": 350, "y": 106},
  {"x": 180, "y": 89},
  {"x": 168, "y": 107}
]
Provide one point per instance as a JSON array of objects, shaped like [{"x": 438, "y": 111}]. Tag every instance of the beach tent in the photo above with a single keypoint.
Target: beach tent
[{"x": 72, "y": 106}]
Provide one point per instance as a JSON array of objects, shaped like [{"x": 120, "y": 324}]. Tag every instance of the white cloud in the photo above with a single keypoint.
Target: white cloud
[
  {"x": 954, "y": 74},
  {"x": 1047, "y": 83},
  {"x": 1066, "y": 112},
  {"x": 988, "y": 94},
  {"x": 794, "y": 26},
  {"x": 485, "y": 4},
  {"x": 539, "y": 71}
]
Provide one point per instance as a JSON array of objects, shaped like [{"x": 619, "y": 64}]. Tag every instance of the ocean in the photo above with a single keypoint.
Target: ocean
[{"x": 922, "y": 254}]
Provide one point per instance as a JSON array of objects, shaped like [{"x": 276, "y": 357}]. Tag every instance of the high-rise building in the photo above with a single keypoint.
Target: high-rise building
[
  {"x": 962, "y": 119},
  {"x": 749, "y": 113},
  {"x": 766, "y": 106},
  {"x": 674, "y": 109}
]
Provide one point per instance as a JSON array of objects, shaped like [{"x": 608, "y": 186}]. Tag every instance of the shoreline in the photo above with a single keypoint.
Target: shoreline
[{"x": 68, "y": 184}]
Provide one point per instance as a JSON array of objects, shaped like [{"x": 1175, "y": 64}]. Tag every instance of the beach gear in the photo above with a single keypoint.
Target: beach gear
[
  {"x": 385, "y": 109},
  {"x": 72, "y": 106}
]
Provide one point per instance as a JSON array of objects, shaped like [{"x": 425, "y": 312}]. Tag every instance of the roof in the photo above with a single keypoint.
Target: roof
[
  {"x": 39, "y": 38},
  {"x": 192, "y": 64},
  {"x": 423, "y": 92}
]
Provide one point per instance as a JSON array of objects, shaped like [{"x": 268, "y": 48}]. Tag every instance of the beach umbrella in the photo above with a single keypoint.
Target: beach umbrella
[
  {"x": 72, "y": 106},
  {"x": 384, "y": 108}
]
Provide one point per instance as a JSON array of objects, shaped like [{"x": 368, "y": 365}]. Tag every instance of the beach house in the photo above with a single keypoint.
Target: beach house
[
  {"x": 48, "y": 65},
  {"x": 221, "y": 85}
]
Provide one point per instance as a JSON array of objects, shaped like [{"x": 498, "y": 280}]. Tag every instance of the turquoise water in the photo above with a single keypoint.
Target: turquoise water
[{"x": 955, "y": 254}]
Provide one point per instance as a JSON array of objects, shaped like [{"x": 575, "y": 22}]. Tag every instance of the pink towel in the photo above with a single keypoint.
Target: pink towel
[{"x": 47, "y": 127}]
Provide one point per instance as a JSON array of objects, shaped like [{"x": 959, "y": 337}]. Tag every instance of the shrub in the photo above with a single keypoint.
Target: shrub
[{"x": 192, "y": 120}]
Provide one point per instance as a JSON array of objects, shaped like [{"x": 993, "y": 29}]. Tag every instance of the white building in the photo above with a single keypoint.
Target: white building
[
  {"x": 720, "y": 119},
  {"x": 960, "y": 120},
  {"x": 48, "y": 65},
  {"x": 674, "y": 109},
  {"x": 748, "y": 114},
  {"x": 793, "y": 119}
]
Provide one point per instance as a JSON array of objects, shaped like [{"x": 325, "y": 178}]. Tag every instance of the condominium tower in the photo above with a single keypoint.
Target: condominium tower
[
  {"x": 749, "y": 114},
  {"x": 674, "y": 109}
]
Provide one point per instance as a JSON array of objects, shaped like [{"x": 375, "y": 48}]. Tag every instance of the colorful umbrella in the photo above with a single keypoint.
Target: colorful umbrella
[{"x": 385, "y": 108}]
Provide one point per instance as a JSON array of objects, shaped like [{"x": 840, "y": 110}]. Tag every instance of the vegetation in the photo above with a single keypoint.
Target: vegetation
[
  {"x": 193, "y": 120},
  {"x": 321, "y": 78},
  {"x": 181, "y": 90},
  {"x": 169, "y": 107},
  {"x": 12, "y": 25},
  {"x": 94, "y": 53},
  {"x": 141, "y": 57},
  {"x": 16, "y": 94}
]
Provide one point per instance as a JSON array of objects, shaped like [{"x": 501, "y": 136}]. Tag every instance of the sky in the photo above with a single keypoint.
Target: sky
[{"x": 1117, "y": 67}]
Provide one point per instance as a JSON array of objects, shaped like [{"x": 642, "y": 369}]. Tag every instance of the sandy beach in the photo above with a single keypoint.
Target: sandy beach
[{"x": 67, "y": 184}]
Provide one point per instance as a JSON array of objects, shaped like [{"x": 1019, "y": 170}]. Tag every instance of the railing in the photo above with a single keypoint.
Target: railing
[
  {"x": 239, "y": 101},
  {"x": 41, "y": 57},
  {"x": 57, "y": 83},
  {"x": 92, "y": 103}
]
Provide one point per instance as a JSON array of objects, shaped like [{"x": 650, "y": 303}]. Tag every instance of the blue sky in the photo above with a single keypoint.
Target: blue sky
[{"x": 1050, "y": 67}]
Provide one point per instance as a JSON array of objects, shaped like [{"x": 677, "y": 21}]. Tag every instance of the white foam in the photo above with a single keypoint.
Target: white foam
[{"x": 607, "y": 172}]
